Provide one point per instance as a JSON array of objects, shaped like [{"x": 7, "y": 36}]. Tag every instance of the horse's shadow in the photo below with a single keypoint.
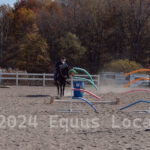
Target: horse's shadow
[{"x": 37, "y": 96}]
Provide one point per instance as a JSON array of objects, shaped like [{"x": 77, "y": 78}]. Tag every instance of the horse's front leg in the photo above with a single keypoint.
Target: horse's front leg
[
  {"x": 64, "y": 89},
  {"x": 57, "y": 88},
  {"x": 61, "y": 90}
]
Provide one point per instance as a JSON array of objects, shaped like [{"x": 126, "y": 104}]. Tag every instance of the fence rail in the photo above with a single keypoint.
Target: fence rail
[
  {"x": 120, "y": 79},
  {"x": 36, "y": 77},
  {"x": 104, "y": 76}
]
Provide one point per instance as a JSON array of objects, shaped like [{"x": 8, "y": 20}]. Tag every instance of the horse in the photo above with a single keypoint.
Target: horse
[{"x": 61, "y": 79}]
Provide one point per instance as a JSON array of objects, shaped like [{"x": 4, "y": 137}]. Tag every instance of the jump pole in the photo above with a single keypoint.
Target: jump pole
[
  {"x": 90, "y": 93},
  {"x": 88, "y": 103},
  {"x": 140, "y": 101},
  {"x": 93, "y": 102},
  {"x": 136, "y": 90}
]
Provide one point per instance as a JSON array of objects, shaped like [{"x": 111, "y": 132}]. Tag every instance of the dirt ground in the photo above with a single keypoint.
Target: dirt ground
[{"x": 29, "y": 122}]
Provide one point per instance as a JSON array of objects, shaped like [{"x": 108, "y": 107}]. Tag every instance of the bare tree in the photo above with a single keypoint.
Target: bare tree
[
  {"x": 4, "y": 27},
  {"x": 140, "y": 15}
]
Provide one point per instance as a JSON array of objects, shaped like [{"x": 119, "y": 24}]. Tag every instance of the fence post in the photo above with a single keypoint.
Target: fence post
[
  {"x": 43, "y": 79},
  {"x": 16, "y": 78},
  {"x": 1, "y": 76},
  {"x": 98, "y": 80}
]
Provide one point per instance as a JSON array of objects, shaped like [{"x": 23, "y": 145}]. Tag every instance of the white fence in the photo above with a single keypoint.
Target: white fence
[
  {"x": 117, "y": 77},
  {"x": 120, "y": 79},
  {"x": 105, "y": 76},
  {"x": 140, "y": 82},
  {"x": 37, "y": 77}
]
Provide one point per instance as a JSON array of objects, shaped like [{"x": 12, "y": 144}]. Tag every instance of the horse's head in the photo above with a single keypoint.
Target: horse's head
[{"x": 64, "y": 69}]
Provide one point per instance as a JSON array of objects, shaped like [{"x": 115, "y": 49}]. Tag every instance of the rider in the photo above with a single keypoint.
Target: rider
[{"x": 62, "y": 61}]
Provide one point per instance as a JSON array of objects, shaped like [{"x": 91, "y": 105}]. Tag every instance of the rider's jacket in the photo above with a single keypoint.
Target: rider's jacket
[{"x": 58, "y": 65}]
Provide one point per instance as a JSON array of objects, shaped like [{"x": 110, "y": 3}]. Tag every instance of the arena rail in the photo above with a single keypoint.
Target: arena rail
[
  {"x": 43, "y": 77},
  {"x": 121, "y": 79}
]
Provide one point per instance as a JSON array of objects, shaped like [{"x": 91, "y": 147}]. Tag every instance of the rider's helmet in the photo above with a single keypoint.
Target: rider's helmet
[{"x": 63, "y": 60}]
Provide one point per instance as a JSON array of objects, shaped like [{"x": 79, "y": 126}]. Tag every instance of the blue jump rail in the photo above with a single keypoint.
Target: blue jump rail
[
  {"x": 140, "y": 101},
  {"x": 80, "y": 98}
]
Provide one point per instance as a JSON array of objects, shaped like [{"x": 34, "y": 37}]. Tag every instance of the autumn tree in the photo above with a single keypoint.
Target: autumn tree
[
  {"x": 52, "y": 26},
  {"x": 32, "y": 54},
  {"x": 70, "y": 47},
  {"x": 23, "y": 20}
]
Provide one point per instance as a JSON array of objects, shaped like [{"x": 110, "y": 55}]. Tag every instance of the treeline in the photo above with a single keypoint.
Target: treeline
[{"x": 89, "y": 33}]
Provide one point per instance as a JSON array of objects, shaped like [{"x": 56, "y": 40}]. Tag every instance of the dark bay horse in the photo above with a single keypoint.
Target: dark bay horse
[{"x": 61, "y": 79}]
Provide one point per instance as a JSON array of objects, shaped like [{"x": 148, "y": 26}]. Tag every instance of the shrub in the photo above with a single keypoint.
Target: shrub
[{"x": 121, "y": 65}]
